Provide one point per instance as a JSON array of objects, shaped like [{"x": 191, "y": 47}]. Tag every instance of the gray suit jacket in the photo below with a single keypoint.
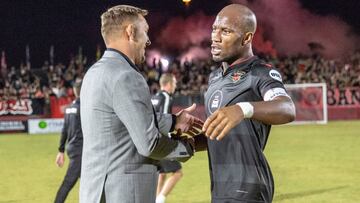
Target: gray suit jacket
[{"x": 121, "y": 142}]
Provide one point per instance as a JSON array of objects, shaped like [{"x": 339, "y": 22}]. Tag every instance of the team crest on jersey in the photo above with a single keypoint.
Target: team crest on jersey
[
  {"x": 275, "y": 75},
  {"x": 215, "y": 101},
  {"x": 237, "y": 75}
]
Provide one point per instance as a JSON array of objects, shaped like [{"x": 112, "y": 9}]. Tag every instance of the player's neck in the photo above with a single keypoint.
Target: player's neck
[
  {"x": 165, "y": 90},
  {"x": 226, "y": 65}
]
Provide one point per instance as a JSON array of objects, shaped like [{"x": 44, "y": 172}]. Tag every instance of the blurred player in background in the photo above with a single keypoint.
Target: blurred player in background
[
  {"x": 163, "y": 103},
  {"x": 72, "y": 135},
  {"x": 245, "y": 97}
]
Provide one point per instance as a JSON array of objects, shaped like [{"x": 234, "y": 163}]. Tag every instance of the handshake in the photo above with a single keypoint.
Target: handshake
[{"x": 188, "y": 128}]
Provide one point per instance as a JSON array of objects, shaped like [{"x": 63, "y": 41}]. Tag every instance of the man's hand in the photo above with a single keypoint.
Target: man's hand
[
  {"x": 198, "y": 142},
  {"x": 222, "y": 121},
  {"x": 60, "y": 159},
  {"x": 185, "y": 122}
]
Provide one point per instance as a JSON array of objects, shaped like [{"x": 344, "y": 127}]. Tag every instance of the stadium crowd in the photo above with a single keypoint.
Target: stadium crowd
[
  {"x": 316, "y": 69},
  {"x": 56, "y": 80}
]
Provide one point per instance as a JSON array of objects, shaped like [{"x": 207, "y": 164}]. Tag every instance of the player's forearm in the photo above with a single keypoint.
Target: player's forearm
[
  {"x": 62, "y": 142},
  {"x": 277, "y": 111}
]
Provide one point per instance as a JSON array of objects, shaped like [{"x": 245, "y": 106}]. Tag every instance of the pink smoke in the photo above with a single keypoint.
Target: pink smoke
[
  {"x": 262, "y": 44},
  {"x": 191, "y": 37},
  {"x": 152, "y": 55},
  {"x": 195, "y": 53},
  {"x": 291, "y": 28},
  {"x": 181, "y": 33}
]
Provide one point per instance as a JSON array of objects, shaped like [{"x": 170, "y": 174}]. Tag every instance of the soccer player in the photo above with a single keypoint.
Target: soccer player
[
  {"x": 162, "y": 103},
  {"x": 244, "y": 98},
  {"x": 72, "y": 135}
]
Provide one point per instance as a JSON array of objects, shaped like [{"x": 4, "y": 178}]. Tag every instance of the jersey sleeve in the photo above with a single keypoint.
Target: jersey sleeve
[
  {"x": 269, "y": 82},
  {"x": 64, "y": 133}
]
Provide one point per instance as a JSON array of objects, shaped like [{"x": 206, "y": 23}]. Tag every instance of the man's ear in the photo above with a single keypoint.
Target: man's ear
[
  {"x": 130, "y": 32},
  {"x": 247, "y": 38}
]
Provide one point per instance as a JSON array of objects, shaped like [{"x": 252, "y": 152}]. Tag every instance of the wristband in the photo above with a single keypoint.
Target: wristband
[{"x": 247, "y": 108}]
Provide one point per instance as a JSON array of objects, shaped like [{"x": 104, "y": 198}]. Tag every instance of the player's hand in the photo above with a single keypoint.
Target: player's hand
[
  {"x": 185, "y": 122},
  {"x": 222, "y": 121},
  {"x": 60, "y": 159}
]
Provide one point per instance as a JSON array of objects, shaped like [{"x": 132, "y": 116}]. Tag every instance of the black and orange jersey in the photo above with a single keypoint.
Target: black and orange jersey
[{"x": 238, "y": 168}]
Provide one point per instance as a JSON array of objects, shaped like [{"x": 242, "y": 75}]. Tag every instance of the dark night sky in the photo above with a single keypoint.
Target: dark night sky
[{"x": 68, "y": 24}]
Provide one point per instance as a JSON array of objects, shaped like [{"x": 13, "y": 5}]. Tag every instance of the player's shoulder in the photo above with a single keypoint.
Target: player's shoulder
[
  {"x": 164, "y": 93},
  {"x": 157, "y": 99},
  {"x": 264, "y": 70},
  {"x": 159, "y": 95},
  {"x": 72, "y": 109},
  {"x": 215, "y": 75},
  {"x": 128, "y": 79}
]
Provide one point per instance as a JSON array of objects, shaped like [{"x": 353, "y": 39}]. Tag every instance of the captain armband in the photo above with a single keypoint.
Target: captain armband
[{"x": 271, "y": 94}]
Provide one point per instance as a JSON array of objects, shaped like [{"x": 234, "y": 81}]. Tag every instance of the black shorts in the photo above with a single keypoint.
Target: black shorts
[{"x": 167, "y": 166}]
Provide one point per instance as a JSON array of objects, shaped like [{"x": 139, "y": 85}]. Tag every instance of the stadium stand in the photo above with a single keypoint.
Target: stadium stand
[{"x": 47, "y": 89}]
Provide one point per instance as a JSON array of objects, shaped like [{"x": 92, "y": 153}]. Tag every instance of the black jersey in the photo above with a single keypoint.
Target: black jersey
[
  {"x": 72, "y": 133},
  {"x": 238, "y": 168},
  {"x": 162, "y": 102}
]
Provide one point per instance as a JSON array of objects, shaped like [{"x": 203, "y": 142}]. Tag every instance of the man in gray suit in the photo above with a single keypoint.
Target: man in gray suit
[{"x": 123, "y": 137}]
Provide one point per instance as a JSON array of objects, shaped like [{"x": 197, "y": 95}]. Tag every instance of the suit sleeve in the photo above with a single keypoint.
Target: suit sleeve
[
  {"x": 132, "y": 104},
  {"x": 64, "y": 135},
  {"x": 163, "y": 121}
]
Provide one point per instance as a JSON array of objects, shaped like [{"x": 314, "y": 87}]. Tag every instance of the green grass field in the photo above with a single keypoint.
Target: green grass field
[{"x": 310, "y": 163}]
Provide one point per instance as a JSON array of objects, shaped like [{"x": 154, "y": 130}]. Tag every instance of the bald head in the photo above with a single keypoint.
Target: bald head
[
  {"x": 241, "y": 16},
  {"x": 232, "y": 34}
]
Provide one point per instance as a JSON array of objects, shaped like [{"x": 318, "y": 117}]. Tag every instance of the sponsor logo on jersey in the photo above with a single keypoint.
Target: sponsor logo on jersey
[
  {"x": 275, "y": 75},
  {"x": 237, "y": 75},
  {"x": 215, "y": 101},
  {"x": 154, "y": 102},
  {"x": 70, "y": 110}
]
